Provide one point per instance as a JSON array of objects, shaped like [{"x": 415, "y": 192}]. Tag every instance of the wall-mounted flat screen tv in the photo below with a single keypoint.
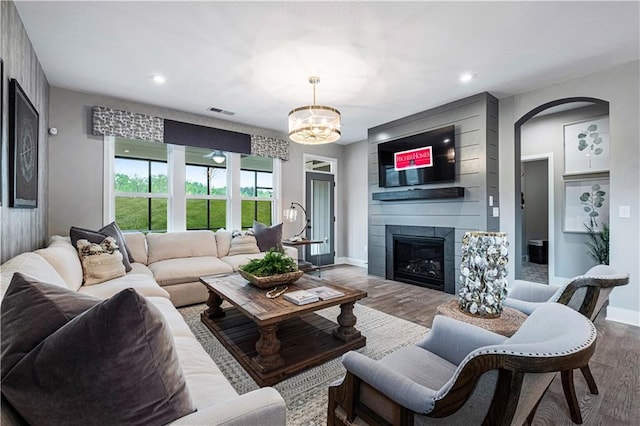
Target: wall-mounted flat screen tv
[{"x": 428, "y": 157}]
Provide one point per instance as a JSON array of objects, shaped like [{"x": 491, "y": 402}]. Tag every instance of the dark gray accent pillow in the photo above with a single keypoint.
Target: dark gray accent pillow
[
  {"x": 113, "y": 364},
  {"x": 110, "y": 230},
  {"x": 268, "y": 236},
  {"x": 31, "y": 311}
]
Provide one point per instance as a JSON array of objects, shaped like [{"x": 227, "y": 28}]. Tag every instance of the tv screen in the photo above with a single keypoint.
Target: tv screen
[{"x": 428, "y": 157}]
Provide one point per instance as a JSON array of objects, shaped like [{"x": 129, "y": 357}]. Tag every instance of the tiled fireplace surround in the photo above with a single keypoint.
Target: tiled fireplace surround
[{"x": 447, "y": 235}]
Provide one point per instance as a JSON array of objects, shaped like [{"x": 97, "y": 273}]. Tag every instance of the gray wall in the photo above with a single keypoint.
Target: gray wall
[
  {"x": 355, "y": 201},
  {"x": 76, "y": 158},
  {"x": 619, "y": 86},
  {"x": 475, "y": 120},
  {"x": 544, "y": 134},
  {"x": 22, "y": 229}
]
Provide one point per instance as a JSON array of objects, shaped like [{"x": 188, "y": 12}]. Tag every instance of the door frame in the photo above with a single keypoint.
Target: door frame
[
  {"x": 337, "y": 243},
  {"x": 551, "y": 227}
]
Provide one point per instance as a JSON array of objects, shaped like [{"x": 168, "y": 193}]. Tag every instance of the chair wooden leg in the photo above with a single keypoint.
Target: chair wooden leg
[
  {"x": 570, "y": 395},
  {"x": 586, "y": 372}
]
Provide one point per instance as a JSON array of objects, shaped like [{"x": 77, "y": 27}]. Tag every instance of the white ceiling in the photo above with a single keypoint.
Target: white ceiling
[{"x": 378, "y": 61}]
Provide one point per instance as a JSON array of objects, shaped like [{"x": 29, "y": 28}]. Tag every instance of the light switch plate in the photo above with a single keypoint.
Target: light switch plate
[
  {"x": 496, "y": 212},
  {"x": 624, "y": 211},
  {"x": 490, "y": 200}
]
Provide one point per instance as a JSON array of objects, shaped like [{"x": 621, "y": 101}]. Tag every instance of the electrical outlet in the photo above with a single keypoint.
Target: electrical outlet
[{"x": 496, "y": 212}]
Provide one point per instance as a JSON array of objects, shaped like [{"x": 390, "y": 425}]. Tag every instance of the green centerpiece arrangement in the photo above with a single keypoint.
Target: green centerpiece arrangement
[{"x": 275, "y": 268}]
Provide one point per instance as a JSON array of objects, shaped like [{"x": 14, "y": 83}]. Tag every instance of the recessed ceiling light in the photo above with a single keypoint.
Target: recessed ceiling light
[
  {"x": 466, "y": 77},
  {"x": 127, "y": 151},
  {"x": 158, "y": 79}
]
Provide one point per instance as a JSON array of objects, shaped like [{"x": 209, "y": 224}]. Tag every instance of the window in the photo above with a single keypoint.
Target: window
[
  {"x": 159, "y": 187},
  {"x": 206, "y": 191},
  {"x": 141, "y": 187},
  {"x": 256, "y": 190}
]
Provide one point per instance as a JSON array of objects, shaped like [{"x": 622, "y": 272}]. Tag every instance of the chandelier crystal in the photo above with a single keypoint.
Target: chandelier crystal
[{"x": 314, "y": 124}]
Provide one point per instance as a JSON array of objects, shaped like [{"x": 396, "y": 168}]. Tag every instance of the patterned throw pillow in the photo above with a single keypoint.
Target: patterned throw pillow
[
  {"x": 243, "y": 243},
  {"x": 110, "y": 230},
  {"x": 100, "y": 262}
]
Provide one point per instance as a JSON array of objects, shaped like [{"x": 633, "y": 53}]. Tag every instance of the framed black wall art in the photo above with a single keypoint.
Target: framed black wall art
[{"x": 23, "y": 149}]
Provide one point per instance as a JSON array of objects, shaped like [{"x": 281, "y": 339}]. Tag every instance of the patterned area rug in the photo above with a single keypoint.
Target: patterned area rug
[{"x": 306, "y": 393}]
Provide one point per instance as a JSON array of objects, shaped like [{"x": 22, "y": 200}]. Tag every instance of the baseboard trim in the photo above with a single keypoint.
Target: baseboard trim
[
  {"x": 625, "y": 316},
  {"x": 351, "y": 261}
]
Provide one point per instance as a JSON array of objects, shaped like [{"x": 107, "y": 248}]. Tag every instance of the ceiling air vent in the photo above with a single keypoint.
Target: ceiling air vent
[{"x": 221, "y": 111}]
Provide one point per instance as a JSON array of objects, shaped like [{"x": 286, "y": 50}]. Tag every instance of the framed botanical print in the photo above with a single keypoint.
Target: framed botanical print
[
  {"x": 23, "y": 149},
  {"x": 586, "y": 146},
  {"x": 586, "y": 204}
]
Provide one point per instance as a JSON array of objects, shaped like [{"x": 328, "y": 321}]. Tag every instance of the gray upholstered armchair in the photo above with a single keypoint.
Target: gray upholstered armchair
[
  {"x": 463, "y": 373},
  {"x": 586, "y": 294}
]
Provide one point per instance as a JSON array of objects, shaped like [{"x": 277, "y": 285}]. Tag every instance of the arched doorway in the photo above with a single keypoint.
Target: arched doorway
[{"x": 518, "y": 237}]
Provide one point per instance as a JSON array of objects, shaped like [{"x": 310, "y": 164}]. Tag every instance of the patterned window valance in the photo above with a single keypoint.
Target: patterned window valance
[
  {"x": 263, "y": 146},
  {"x": 131, "y": 125},
  {"x": 125, "y": 124}
]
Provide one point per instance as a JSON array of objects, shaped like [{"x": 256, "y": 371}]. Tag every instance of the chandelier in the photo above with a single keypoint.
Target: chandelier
[{"x": 314, "y": 124}]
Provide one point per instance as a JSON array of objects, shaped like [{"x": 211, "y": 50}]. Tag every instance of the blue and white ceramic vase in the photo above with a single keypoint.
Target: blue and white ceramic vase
[{"x": 483, "y": 273}]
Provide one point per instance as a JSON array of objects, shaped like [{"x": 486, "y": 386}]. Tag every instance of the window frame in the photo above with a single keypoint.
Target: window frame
[
  {"x": 176, "y": 205},
  {"x": 208, "y": 197}
]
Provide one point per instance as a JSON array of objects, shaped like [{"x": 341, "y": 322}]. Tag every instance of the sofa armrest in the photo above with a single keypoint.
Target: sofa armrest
[
  {"x": 292, "y": 252},
  {"x": 453, "y": 340},
  {"x": 396, "y": 386},
  {"x": 260, "y": 407}
]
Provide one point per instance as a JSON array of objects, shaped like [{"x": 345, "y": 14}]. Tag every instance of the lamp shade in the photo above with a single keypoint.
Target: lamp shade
[{"x": 314, "y": 124}]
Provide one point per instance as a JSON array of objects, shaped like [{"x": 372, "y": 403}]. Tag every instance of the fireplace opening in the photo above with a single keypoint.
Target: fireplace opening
[{"x": 419, "y": 260}]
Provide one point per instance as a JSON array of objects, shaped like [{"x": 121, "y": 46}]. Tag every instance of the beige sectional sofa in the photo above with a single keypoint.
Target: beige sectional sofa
[{"x": 165, "y": 271}]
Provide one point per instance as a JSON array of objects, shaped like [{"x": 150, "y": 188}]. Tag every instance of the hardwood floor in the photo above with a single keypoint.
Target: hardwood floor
[{"x": 615, "y": 364}]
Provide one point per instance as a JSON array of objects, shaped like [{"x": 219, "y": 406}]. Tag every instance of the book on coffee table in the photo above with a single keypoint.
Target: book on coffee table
[
  {"x": 301, "y": 297},
  {"x": 326, "y": 293}
]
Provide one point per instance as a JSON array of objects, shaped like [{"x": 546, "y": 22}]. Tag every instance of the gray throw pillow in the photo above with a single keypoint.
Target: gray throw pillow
[
  {"x": 114, "y": 364},
  {"x": 110, "y": 230},
  {"x": 268, "y": 236},
  {"x": 31, "y": 311}
]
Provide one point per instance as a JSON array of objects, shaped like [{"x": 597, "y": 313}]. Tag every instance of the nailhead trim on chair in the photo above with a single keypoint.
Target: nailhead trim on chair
[{"x": 444, "y": 391}]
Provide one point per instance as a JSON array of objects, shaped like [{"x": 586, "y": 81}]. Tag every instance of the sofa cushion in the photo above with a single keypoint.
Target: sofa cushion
[
  {"x": 178, "y": 271},
  {"x": 136, "y": 246},
  {"x": 175, "y": 245},
  {"x": 33, "y": 310},
  {"x": 243, "y": 243},
  {"x": 223, "y": 241},
  {"x": 268, "y": 237},
  {"x": 123, "y": 369},
  {"x": 240, "y": 259},
  {"x": 100, "y": 262},
  {"x": 140, "y": 268},
  {"x": 144, "y": 284},
  {"x": 64, "y": 257},
  {"x": 110, "y": 230}
]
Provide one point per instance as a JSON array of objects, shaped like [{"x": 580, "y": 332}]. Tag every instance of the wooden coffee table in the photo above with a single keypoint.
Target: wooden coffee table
[{"x": 274, "y": 339}]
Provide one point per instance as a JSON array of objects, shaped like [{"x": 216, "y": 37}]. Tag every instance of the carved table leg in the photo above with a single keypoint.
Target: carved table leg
[
  {"x": 213, "y": 302},
  {"x": 347, "y": 320},
  {"x": 268, "y": 348}
]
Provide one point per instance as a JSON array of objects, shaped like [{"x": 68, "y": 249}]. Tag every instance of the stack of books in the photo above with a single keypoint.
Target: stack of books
[{"x": 302, "y": 297}]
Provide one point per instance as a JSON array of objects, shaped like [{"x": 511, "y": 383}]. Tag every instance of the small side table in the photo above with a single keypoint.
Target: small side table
[{"x": 506, "y": 324}]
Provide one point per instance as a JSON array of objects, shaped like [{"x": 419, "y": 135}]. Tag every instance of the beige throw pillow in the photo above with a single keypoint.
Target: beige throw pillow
[
  {"x": 100, "y": 262},
  {"x": 243, "y": 243}
]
